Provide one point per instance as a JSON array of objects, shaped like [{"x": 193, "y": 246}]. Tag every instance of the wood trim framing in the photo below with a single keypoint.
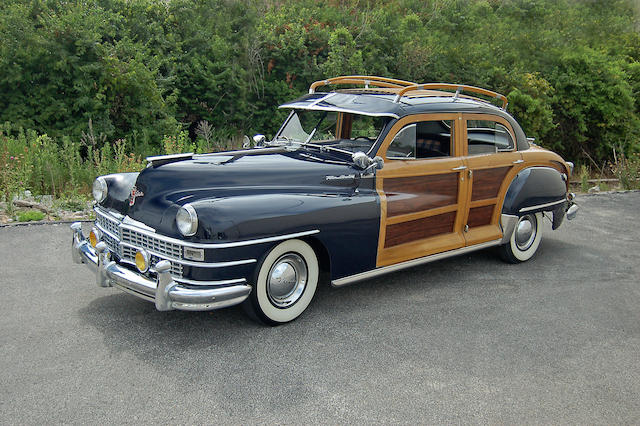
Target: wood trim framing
[{"x": 409, "y": 218}]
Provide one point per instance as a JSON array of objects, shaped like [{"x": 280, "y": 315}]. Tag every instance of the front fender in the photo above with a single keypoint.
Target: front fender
[
  {"x": 118, "y": 190},
  {"x": 348, "y": 225}
]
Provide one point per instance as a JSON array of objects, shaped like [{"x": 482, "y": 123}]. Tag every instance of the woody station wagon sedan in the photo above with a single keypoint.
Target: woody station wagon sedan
[{"x": 357, "y": 182}]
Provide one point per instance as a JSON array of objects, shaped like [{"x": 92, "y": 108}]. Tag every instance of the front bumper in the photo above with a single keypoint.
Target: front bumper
[{"x": 163, "y": 290}]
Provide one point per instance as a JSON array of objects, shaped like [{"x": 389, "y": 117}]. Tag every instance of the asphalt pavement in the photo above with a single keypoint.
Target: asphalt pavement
[{"x": 465, "y": 340}]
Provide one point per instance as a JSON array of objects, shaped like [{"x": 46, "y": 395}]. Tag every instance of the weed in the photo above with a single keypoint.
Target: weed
[
  {"x": 583, "y": 176},
  {"x": 627, "y": 170},
  {"x": 30, "y": 215}
]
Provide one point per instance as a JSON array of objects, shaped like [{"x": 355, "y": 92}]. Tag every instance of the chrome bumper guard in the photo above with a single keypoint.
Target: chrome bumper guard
[
  {"x": 164, "y": 291},
  {"x": 572, "y": 208}
]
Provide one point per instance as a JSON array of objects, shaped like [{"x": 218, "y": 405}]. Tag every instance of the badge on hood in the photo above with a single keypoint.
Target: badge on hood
[{"x": 134, "y": 193}]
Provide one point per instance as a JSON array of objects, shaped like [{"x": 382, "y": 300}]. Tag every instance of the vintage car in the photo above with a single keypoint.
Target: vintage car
[{"x": 375, "y": 176}]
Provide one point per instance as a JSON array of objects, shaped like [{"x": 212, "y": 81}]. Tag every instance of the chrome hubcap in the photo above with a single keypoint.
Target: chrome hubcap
[
  {"x": 526, "y": 231},
  {"x": 287, "y": 280}
]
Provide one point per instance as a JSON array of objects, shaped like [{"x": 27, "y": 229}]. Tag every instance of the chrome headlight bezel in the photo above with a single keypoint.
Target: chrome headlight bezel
[
  {"x": 100, "y": 189},
  {"x": 187, "y": 220}
]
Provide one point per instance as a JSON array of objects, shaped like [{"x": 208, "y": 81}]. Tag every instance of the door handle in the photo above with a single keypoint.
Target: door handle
[
  {"x": 455, "y": 169},
  {"x": 518, "y": 162}
]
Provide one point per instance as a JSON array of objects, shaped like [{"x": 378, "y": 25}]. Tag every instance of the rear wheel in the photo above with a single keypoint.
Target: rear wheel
[
  {"x": 285, "y": 284},
  {"x": 525, "y": 239}
]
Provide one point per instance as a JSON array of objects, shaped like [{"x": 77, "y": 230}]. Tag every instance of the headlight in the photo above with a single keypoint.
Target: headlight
[
  {"x": 99, "y": 189},
  {"x": 187, "y": 220}
]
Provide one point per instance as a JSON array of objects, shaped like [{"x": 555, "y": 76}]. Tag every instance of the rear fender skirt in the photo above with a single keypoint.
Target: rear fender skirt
[{"x": 536, "y": 189}]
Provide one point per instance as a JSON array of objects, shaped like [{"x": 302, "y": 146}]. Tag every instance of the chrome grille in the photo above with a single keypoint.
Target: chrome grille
[
  {"x": 129, "y": 240},
  {"x": 108, "y": 224},
  {"x": 139, "y": 239},
  {"x": 112, "y": 243}
]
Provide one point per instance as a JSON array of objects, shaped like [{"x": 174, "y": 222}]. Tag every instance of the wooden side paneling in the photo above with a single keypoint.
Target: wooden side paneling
[
  {"x": 486, "y": 183},
  {"x": 480, "y": 216},
  {"x": 419, "y": 229},
  {"x": 417, "y": 193}
]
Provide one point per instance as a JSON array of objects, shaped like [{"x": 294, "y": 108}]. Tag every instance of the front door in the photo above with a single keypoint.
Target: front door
[{"x": 422, "y": 187}]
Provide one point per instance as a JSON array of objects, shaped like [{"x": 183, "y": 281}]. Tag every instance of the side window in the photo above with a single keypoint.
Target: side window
[
  {"x": 404, "y": 143},
  {"x": 486, "y": 136},
  {"x": 425, "y": 139}
]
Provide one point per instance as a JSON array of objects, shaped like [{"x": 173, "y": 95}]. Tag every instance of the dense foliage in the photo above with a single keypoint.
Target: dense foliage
[{"x": 143, "y": 71}]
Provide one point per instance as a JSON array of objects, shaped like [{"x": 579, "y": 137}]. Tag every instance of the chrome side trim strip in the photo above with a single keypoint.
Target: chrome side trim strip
[
  {"x": 190, "y": 263},
  {"x": 221, "y": 245},
  {"x": 409, "y": 263},
  {"x": 153, "y": 234},
  {"x": 540, "y": 206}
]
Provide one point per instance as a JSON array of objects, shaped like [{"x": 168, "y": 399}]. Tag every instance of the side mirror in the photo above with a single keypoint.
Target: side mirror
[
  {"x": 368, "y": 164},
  {"x": 379, "y": 162},
  {"x": 259, "y": 139},
  {"x": 361, "y": 159}
]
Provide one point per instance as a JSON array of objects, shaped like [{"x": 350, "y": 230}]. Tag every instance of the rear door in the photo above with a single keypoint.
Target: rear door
[{"x": 492, "y": 161}]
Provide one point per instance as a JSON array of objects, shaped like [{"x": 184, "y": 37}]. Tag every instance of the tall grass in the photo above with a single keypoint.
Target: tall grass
[
  {"x": 66, "y": 168},
  {"x": 42, "y": 165}
]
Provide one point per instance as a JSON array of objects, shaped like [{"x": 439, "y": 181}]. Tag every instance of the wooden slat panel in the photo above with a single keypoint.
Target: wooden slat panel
[
  {"x": 419, "y": 229},
  {"x": 480, "y": 216},
  {"x": 486, "y": 182},
  {"x": 417, "y": 193}
]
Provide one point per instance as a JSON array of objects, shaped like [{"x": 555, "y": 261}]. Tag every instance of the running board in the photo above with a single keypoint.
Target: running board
[{"x": 409, "y": 263}]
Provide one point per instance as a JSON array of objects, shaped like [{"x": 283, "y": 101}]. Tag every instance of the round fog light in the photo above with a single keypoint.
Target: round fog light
[
  {"x": 94, "y": 237},
  {"x": 142, "y": 261}
]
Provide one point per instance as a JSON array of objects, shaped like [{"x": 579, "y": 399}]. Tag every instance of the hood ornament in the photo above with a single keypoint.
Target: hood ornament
[{"x": 134, "y": 193}]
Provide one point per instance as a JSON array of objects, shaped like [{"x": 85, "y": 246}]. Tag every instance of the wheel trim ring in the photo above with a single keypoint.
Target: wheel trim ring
[
  {"x": 525, "y": 232},
  {"x": 287, "y": 280}
]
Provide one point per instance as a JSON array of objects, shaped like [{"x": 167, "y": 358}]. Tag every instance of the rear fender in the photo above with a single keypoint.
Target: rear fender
[{"x": 537, "y": 189}]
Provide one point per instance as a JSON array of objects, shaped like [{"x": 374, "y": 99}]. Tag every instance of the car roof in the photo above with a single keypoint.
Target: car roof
[
  {"x": 385, "y": 102},
  {"x": 382, "y": 102}
]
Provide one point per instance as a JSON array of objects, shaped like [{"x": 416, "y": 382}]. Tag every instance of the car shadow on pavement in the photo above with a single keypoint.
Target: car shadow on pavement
[{"x": 133, "y": 326}]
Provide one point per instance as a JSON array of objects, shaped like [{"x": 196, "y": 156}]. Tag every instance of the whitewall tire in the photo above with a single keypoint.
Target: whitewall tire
[
  {"x": 285, "y": 284},
  {"x": 525, "y": 239}
]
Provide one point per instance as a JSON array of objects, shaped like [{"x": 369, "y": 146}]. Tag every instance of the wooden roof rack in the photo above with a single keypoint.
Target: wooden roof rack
[
  {"x": 362, "y": 79},
  {"x": 459, "y": 88}
]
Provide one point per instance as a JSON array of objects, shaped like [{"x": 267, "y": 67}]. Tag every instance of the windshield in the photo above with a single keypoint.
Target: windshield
[{"x": 347, "y": 131}]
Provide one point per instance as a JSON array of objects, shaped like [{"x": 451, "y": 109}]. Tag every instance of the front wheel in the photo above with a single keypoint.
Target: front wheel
[
  {"x": 524, "y": 240},
  {"x": 285, "y": 284}
]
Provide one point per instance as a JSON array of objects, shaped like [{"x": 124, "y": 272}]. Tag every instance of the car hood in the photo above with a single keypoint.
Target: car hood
[{"x": 161, "y": 190}]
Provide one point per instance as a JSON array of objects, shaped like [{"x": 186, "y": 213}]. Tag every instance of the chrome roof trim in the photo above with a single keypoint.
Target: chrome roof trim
[{"x": 338, "y": 109}]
